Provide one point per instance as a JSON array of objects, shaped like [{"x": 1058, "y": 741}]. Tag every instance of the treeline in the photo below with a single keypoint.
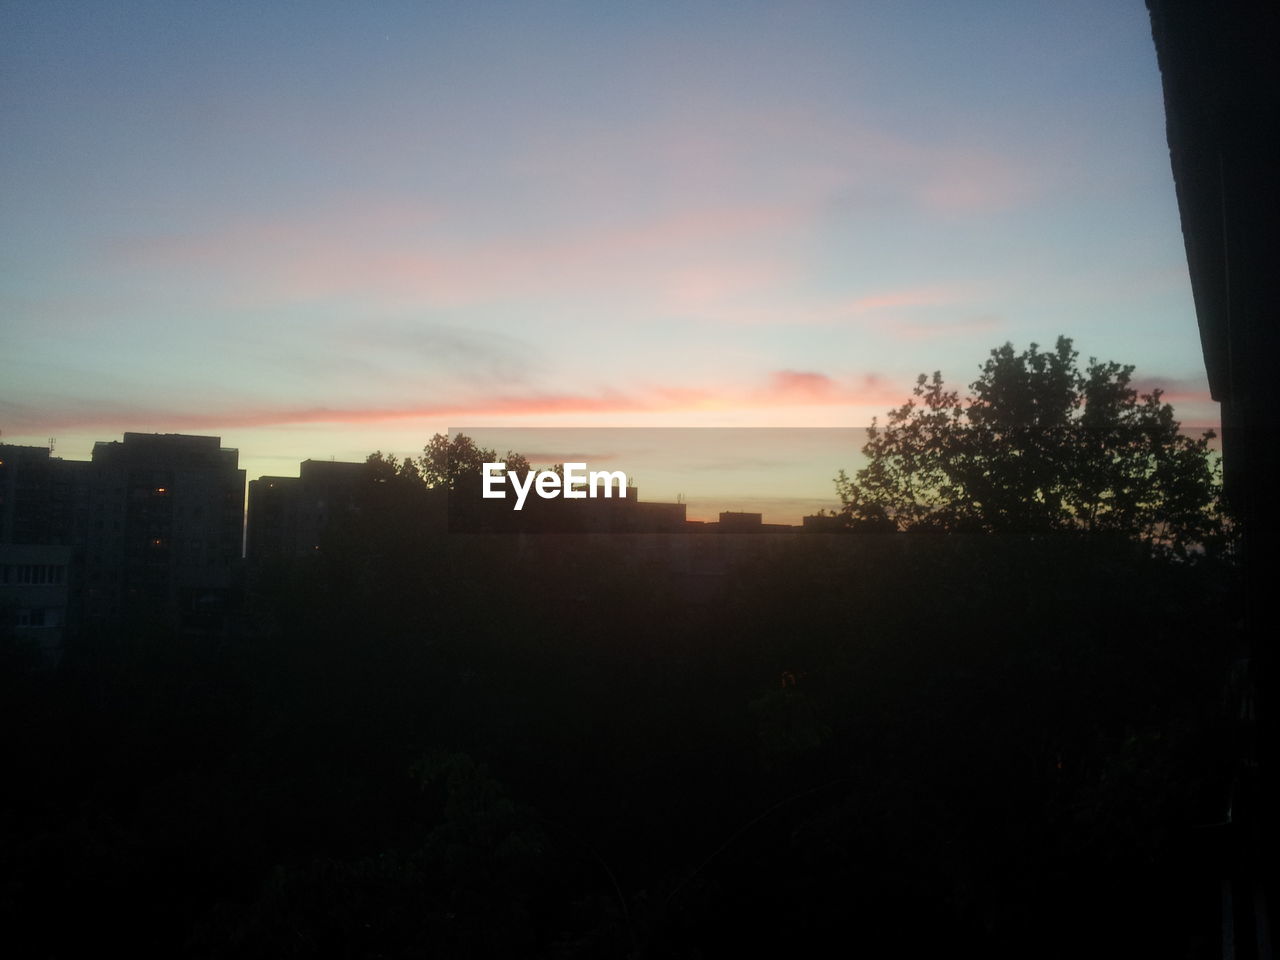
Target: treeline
[{"x": 564, "y": 747}]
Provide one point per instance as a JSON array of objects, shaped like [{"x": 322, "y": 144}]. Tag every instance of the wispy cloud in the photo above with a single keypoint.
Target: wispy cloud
[
  {"x": 1190, "y": 397},
  {"x": 880, "y": 310},
  {"x": 302, "y": 260},
  {"x": 678, "y": 217},
  {"x": 784, "y": 388},
  {"x": 949, "y": 326}
]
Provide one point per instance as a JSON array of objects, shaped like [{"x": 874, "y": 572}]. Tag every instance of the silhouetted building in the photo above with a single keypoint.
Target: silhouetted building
[
  {"x": 35, "y": 593},
  {"x": 1221, "y": 79},
  {"x": 167, "y": 531},
  {"x": 625, "y": 514},
  {"x": 288, "y": 516},
  {"x": 43, "y": 499},
  {"x": 658, "y": 517},
  {"x": 736, "y": 522},
  {"x": 824, "y": 523},
  {"x": 44, "y": 522},
  {"x": 152, "y": 527}
]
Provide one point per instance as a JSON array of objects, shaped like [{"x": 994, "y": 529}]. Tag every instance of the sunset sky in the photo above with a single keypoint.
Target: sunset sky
[{"x": 318, "y": 230}]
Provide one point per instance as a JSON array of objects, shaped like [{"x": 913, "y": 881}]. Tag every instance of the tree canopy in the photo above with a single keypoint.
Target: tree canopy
[
  {"x": 448, "y": 462},
  {"x": 1039, "y": 446},
  {"x": 445, "y": 463}
]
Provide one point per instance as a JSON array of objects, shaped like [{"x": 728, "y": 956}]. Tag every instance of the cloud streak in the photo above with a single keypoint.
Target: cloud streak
[
  {"x": 298, "y": 261},
  {"x": 780, "y": 390},
  {"x": 783, "y": 389}
]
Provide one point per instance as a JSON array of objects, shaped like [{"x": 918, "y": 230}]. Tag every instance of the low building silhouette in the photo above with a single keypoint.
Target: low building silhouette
[{"x": 626, "y": 514}]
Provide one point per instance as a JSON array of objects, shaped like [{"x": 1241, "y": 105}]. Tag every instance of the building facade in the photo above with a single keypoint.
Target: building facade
[{"x": 151, "y": 528}]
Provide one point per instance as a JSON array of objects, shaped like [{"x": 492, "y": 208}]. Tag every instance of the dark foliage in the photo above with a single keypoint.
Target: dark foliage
[
  {"x": 567, "y": 747},
  {"x": 1039, "y": 446}
]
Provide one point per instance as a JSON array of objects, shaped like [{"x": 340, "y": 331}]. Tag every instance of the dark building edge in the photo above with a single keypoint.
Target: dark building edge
[{"x": 1220, "y": 68}]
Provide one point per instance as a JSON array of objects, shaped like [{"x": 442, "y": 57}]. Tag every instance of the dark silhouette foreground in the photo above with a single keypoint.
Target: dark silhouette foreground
[{"x": 593, "y": 746}]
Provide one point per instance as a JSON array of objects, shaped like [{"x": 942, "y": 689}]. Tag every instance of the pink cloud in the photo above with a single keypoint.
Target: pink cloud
[
  {"x": 308, "y": 259},
  {"x": 784, "y": 388},
  {"x": 807, "y": 386},
  {"x": 754, "y": 178},
  {"x": 707, "y": 288},
  {"x": 968, "y": 181},
  {"x": 1191, "y": 389},
  {"x": 1192, "y": 405},
  {"x": 800, "y": 154}
]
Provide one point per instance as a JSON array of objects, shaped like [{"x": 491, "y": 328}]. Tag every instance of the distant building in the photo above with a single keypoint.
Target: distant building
[
  {"x": 288, "y": 516},
  {"x": 625, "y": 514},
  {"x": 732, "y": 522},
  {"x": 657, "y": 517},
  {"x": 824, "y": 523}
]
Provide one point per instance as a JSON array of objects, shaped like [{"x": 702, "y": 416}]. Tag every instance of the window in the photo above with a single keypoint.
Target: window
[
  {"x": 36, "y": 574},
  {"x": 33, "y": 617}
]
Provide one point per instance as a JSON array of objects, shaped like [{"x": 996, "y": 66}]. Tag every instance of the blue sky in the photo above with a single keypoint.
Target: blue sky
[{"x": 319, "y": 230}]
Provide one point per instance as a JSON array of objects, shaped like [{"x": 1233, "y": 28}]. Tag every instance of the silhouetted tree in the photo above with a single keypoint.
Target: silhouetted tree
[
  {"x": 1039, "y": 446},
  {"x": 446, "y": 462},
  {"x": 386, "y": 467}
]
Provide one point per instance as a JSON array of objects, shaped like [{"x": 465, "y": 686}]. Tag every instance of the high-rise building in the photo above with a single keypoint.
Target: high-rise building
[
  {"x": 150, "y": 529},
  {"x": 167, "y": 530}
]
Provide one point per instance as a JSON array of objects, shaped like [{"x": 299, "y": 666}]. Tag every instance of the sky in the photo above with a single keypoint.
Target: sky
[{"x": 316, "y": 230}]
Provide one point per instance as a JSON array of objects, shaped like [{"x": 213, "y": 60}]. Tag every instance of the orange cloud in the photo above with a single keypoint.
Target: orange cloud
[
  {"x": 782, "y": 389},
  {"x": 785, "y": 388}
]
